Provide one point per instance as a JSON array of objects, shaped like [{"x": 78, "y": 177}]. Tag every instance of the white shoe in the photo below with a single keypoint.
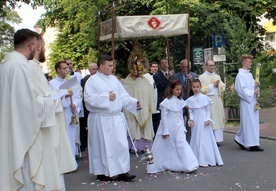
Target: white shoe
[{"x": 204, "y": 165}]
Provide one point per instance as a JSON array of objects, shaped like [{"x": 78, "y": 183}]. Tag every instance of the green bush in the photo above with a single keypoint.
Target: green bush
[{"x": 267, "y": 81}]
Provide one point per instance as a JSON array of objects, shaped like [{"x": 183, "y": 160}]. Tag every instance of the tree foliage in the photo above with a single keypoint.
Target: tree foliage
[
  {"x": 7, "y": 17},
  {"x": 78, "y": 25},
  {"x": 77, "y": 22},
  {"x": 14, "y": 3}
]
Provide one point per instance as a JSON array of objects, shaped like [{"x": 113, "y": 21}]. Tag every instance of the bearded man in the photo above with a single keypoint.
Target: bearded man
[
  {"x": 57, "y": 155},
  {"x": 24, "y": 113}
]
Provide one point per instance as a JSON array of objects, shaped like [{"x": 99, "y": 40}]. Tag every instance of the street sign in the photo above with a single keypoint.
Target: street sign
[
  {"x": 219, "y": 58},
  {"x": 198, "y": 55},
  {"x": 218, "y": 40},
  {"x": 208, "y": 54}
]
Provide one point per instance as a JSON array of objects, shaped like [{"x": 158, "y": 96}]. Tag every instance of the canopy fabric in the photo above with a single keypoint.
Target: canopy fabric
[{"x": 145, "y": 26}]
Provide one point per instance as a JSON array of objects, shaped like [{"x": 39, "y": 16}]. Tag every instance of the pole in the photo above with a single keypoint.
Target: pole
[
  {"x": 188, "y": 47},
  {"x": 113, "y": 31},
  {"x": 168, "y": 53},
  {"x": 99, "y": 32},
  {"x": 188, "y": 36}
]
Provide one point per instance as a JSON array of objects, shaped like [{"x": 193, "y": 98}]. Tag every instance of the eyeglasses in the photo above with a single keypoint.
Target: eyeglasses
[{"x": 211, "y": 65}]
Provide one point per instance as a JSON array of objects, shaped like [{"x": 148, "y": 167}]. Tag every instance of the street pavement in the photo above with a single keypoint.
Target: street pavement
[
  {"x": 242, "y": 170},
  {"x": 267, "y": 124}
]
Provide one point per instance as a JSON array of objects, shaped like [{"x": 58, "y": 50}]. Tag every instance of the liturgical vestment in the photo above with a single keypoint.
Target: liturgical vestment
[
  {"x": 71, "y": 129},
  {"x": 107, "y": 127},
  {"x": 215, "y": 94},
  {"x": 140, "y": 125},
  {"x": 249, "y": 132},
  {"x": 24, "y": 112},
  {"x": 57, "y": 155}
]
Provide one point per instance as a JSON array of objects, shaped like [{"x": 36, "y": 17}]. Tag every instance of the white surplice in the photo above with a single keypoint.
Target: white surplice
[
  {"x": 173, "y": 153},
  {"x": 249, "y": 132},
  {"x": 107, "y": 127},
  {"x": 24, "y": 112},
  {"x": 215, "y": 94},
  {"x": 57, "y": 155},
  {"x": 203, "y": 142},
  {"x": 71, "y": 129}
]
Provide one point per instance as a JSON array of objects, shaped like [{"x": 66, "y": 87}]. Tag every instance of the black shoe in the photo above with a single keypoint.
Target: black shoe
[
  {"x": 143, "y": 151},
  {"x": 104, "y": 178},
  {"x": 125, "y": 177},
  {"x": 256, "y": 148},
  {"x": 240, "y": 145}
]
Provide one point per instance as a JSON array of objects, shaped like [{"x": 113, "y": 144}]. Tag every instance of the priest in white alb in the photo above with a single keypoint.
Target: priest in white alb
[
  {"x": 24, "y": 113},
  {"x": 57, "y": 157},
  {"x": 213, "y": 87}
]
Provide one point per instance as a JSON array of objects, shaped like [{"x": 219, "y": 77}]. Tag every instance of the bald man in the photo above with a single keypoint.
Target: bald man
[
  {"x": 214, "y": 88},
  {"x": 93, "y": 68}
]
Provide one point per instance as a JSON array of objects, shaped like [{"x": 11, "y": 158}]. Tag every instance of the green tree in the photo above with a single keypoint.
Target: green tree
[
  {"x": 77, "y": 23},
  {"x": 77, "y": 30},
  {"x": 7, "y": 17},
  {"x": 240, "y": 39},
  {"x": 14, "y": 3}
]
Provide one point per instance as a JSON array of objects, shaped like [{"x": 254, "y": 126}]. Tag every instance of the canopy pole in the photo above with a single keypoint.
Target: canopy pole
[
  {"x": 188, "y": 47},
  {"x": 169, "y": 53},
  {"x": 99, "y": 32},
  {"x": 188, "y": 36},
  {"x": 113, "y": 32}
]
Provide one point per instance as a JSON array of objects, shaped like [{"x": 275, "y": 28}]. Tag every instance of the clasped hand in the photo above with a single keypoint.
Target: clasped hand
[
  {"x": 112, "y": 96},
  {"x": 192, "y": 123},
  {"x": 216, "y": 83}
]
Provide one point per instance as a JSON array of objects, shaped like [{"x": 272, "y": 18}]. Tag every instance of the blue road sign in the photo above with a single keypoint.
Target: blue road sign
[{"x": 218, "y": 40}]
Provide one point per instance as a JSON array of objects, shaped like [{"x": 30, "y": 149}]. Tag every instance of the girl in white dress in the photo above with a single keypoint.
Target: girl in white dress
[
  {"x": 202, "y": 142},
  {"x": 170, "y": 148}
]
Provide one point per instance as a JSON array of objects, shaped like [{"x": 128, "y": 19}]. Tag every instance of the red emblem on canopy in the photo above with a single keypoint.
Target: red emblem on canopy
[{"x": 154, "y": 23}]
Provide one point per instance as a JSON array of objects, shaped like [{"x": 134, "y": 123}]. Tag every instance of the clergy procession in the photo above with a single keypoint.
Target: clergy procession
[{"x": 175, "y": 121}]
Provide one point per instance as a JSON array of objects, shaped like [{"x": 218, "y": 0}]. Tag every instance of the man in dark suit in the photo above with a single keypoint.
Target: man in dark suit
[
  {"x": 185, "y": 76},
  {"x": 93, "y": 68},
  {"x": 153, "y": 67},
  {"x": 161, "y": 79}
]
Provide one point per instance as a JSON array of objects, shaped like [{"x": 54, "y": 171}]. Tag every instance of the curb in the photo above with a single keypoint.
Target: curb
[
  {"x": 262, "y": 137},
  {"x": 268, "y": 138}
]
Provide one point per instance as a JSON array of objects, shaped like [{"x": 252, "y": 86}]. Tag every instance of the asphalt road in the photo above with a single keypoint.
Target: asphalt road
[{"x": 242, "y": 171}]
